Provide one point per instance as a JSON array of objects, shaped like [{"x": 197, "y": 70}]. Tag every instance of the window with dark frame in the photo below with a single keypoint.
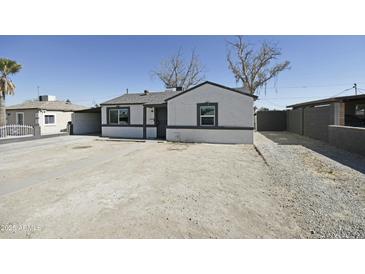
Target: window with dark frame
[
  {"x": 49, "y": 119},
  {"x": 207, "y": 114},
  {"x": 119, "y": 116}
]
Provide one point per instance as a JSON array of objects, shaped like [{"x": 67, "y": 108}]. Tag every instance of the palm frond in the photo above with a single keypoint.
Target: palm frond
[
  {"x": 15, "y": 68},
  {"x": 8, "y": 66},
  {"x": 6, "y": 86}
]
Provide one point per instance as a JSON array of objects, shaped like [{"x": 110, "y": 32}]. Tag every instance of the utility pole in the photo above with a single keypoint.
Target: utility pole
[{"x": 355, "y": 87}]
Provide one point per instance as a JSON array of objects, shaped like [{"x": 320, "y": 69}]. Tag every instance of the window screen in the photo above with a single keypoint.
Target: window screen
[
  {"x": 207, "y": 115},
  {"x": 119, "y": 116},
  {"x": 49, "y": 119}
]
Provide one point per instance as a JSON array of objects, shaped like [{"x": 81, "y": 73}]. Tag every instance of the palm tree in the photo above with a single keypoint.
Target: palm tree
[{"x": 7, "y": 87}]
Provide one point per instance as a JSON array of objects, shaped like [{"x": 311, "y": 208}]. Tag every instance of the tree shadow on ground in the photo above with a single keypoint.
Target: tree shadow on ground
[{"x": 352, "y": 160}]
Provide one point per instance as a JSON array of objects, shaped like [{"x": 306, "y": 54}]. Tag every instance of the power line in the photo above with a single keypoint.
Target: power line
[
  {"x": 341, "y": 92},
  {"x": 309, "y": 97},
  {"x": 310, "y": 86},
  {"x": 360, "y": 91},
  {"x": 280, "y": 98}
]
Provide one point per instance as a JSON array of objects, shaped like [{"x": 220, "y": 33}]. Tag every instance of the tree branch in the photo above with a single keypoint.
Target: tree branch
[
  {"x": 177, "y": 72},
  {"x": 253, "y": 68}
]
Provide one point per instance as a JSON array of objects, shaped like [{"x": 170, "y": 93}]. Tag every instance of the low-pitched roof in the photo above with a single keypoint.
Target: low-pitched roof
[
  {"x": 149, "y": 98},
  {"x": 47, "y": 105},
  {"x": 238, "y": 90},
  {"x": 328, "y": 100},
  {"x": 156, "y": 98}
]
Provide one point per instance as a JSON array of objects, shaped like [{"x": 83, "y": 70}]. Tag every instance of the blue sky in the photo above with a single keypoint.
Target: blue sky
[{"x": 87, "y": 69}]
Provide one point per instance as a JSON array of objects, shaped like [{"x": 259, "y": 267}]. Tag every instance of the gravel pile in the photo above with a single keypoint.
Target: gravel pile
[{"x": 325, "y": 197}]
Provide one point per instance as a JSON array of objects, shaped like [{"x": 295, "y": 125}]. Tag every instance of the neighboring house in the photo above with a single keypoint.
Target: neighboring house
[
  {"x": 208, "y": 112},
  {"x": 320, "y": 119},
  {"x": 340, "y": 121},
  {"x": 51, "y": 115},
  {"x": 345, "y": 110}
]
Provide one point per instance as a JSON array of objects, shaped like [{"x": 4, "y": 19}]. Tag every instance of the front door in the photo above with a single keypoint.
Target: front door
[{"x": 161, "y": 121}]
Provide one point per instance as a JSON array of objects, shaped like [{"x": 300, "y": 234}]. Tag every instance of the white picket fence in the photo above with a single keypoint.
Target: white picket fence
[{"x": 16, "y": 131}]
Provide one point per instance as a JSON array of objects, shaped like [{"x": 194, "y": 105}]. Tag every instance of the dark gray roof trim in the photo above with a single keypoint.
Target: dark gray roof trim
[
  {"x": 328, "y": 100},
  {"x": 213, "y": 84}
]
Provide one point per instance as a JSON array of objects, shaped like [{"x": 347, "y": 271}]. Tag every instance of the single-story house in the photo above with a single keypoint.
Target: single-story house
[
  {"x": 51, "y": 115},
  {"x": 208, "y": 112}
]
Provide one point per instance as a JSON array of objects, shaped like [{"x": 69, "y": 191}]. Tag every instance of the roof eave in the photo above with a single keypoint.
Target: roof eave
[
  {"x": 48, "y": 109},
  {"x": 155, "y": 104},
  {"x": 117, "y": 104},
  {"x": 213, "y": 84}
]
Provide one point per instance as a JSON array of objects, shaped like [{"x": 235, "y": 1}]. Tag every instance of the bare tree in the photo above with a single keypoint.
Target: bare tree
[
  {"x": 176, "y": 71},
  {"x": 251, "y": 67}
]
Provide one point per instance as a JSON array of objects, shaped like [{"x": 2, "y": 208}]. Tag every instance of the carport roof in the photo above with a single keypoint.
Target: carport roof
[
  {"x": 328, "y": 100},
  {"x": 90, "y": 110}
]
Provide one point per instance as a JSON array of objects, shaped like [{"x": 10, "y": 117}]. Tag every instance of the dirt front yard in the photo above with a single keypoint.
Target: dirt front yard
[{"x": 89, "y": 187}]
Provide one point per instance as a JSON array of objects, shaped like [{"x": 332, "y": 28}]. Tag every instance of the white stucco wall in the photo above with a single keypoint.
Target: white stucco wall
[
  {"x": 122, "y": 132},
  {"x": 150, "y": 116},
  {"x": 129, "y": 132},
  {"x": 61, "y": 120},
  {"x": 151, "y": 132},
  {"x": 210, "y": 136},
  {"x": 234, "y": 110},
  {"x": 103, "y": 115},
  {"x": 86, "y": 123}
]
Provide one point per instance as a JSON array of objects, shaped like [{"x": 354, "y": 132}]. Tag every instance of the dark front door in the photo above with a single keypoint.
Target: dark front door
[{"x": 161, "y": 121}]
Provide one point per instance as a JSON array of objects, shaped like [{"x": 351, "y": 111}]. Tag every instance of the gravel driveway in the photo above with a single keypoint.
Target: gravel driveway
[
  {"x": 93, "y": 188},
  {"x": 323, "y": 187},
  {"x": 287, "y": 186}
]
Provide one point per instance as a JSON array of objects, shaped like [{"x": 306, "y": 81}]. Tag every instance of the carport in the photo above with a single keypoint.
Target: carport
[{"x": 86, "y": 121}]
